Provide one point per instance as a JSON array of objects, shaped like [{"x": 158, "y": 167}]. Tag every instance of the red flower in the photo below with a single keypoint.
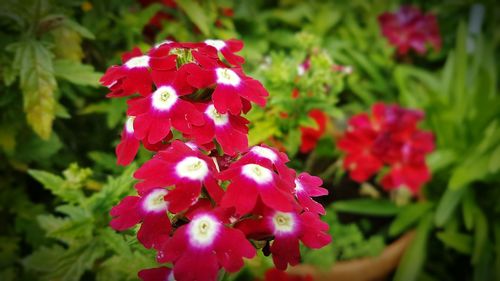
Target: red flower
[
  {"x": 251, "y": 181},
  {"x": 183, "y": 167},
  {"x": 157, "y": 112},
  {"x": 307, "y": 186},
  {"x": 156, "y": 274},
  {"x": 150, "y": 208},
  {"x": 390, "y": 136},
  {"x": 229, "y": 130},
  {"x": 409, "y": 28},
  {"x": 200, "y": 248},
  {"x": 268, "y": 156},
  {"x": 232, "y": 87},
  {"x": 227, "y": 49},
  {"x": 310, "y": 136},
  {"x": 287, "y": 228},
  {"x": 134, "y": 75}
]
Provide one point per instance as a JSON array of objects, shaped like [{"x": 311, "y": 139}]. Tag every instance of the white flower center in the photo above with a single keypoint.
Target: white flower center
[
  {"x": 154, "y": 201},
  {"x": 192, "y": 168},
  {"x": 218, "y": 44},
  {"x": 298, "y": 186},
  {"x": 257, "y": 173},
  {"x": 227, "y": 77},
  {"x": 129, "y": 125},
  {"x": 283, "y": 222},
  {"x": 142, "y": 61},
  {"x": 164, "y": 98},
  {"x": 218, "y": 118},
  {"x": 203, "y": 230},
  {"x": 265, "y": 152}
]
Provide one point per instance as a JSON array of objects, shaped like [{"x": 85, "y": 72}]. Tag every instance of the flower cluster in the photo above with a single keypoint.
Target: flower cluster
[
  {"x": 410, "y": 29},
  {"x": 206, "y": 198},
  {"x": 388, "y": 137}
]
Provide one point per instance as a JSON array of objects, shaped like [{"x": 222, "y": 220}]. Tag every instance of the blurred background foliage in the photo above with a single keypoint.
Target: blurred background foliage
[{"x": 54, "y": 120}]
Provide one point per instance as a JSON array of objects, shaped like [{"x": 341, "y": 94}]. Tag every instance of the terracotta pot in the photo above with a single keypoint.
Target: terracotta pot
[{"x": 364, "y": 269}]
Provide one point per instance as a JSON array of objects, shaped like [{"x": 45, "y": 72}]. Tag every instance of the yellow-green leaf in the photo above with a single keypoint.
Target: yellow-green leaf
[{"x": 34, "y": 62}]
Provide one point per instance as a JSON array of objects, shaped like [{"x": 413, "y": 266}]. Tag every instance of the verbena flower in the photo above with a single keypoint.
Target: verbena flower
[
  {"x": 188, "y": 111},
  {"x": 204, "y": 245},
  {"x": 180, "y": 166},
  {"x": 388, "y": 137},
  {"x": 150, "y": 208},
  {"x": 410, "y": 29},
  {"x": 310, "y": 136}
]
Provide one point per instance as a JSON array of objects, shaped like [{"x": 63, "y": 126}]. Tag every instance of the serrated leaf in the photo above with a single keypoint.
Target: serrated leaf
[
  {"x": 64, "y": 264},
  {"x": 367, "y": 207},
  {"x": 196, "y": 14},
  {"x": 34, "y": 63},
  {"x": 77, "y": 73},
  {"x": 408, "y": 216},
  {"x": 57, "y": 186},
  {"x": 102, "y": 201},
  {"x": 67, "y": 43},
  {"x": 115, "y": 241}
]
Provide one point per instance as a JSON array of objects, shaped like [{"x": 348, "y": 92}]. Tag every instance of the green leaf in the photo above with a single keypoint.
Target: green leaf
[
  {"x": 413, "y": 259},
  {"x": 57, "y": 186},
  {"x": 292, "y": 142},
  {"x": 408, "y": 216},
  {"x": 84, "y": 32},
  {"x": 64, "y": 265},
  {"x": 196, "y": 14},
  {"x": 34, "y": 62},
  {"x": 69, "y": 231},
  {"x": 447, "y": 205},
  {"x": 367, "y": 207},
  {"x": 468, "y": 209},
  {"x": 111, "y": 193},
  {"x": 481, "y": 239},
  {"x": 494, "y": 164},
  {"x": 77, "y": 73},
  {"x": 458, "y": 241},
  {"x": 115, "y": 241}
]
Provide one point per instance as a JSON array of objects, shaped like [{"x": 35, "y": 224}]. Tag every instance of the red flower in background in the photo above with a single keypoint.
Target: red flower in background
[
  {"x": 389, "y": 136},
  {"x": 310, "y": 136},
  {"x": 410, "y": 29}
]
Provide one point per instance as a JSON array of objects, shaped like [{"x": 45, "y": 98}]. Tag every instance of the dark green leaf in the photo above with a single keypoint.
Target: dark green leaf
[
  {"x": 414, "y": 257},
  {"x": 196, "y": 14},
  {"x": 458, "y": 241},
  {"x": 447, "y": 205}
]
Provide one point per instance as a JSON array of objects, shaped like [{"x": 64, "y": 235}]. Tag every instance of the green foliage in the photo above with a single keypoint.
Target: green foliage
[
  {"x": 367, "y": 207},
  {"x": 82, "y": 230}
]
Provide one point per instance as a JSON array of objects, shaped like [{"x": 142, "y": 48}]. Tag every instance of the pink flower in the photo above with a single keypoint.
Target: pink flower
[
  {"x": 150, "y": 208},
  {"x": 199, "y": 249},
  {"x": 157, "y": 112},
  {"x": 134, "y": 75},
  {"x": 268, "y": 156},
  {"x": 251, "y": 181},
  {"x": 410, "y": 29},
  {"x": 180, "y": 166},
  {"x": 287, "y": 228},
  {"x": 307, "y": 186},
  {"x": 229, "y": 130},
  {"x": 227, "y": 49},
  {"x": 156, "y": 274},
  {"x": 233, "y": 89}
]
